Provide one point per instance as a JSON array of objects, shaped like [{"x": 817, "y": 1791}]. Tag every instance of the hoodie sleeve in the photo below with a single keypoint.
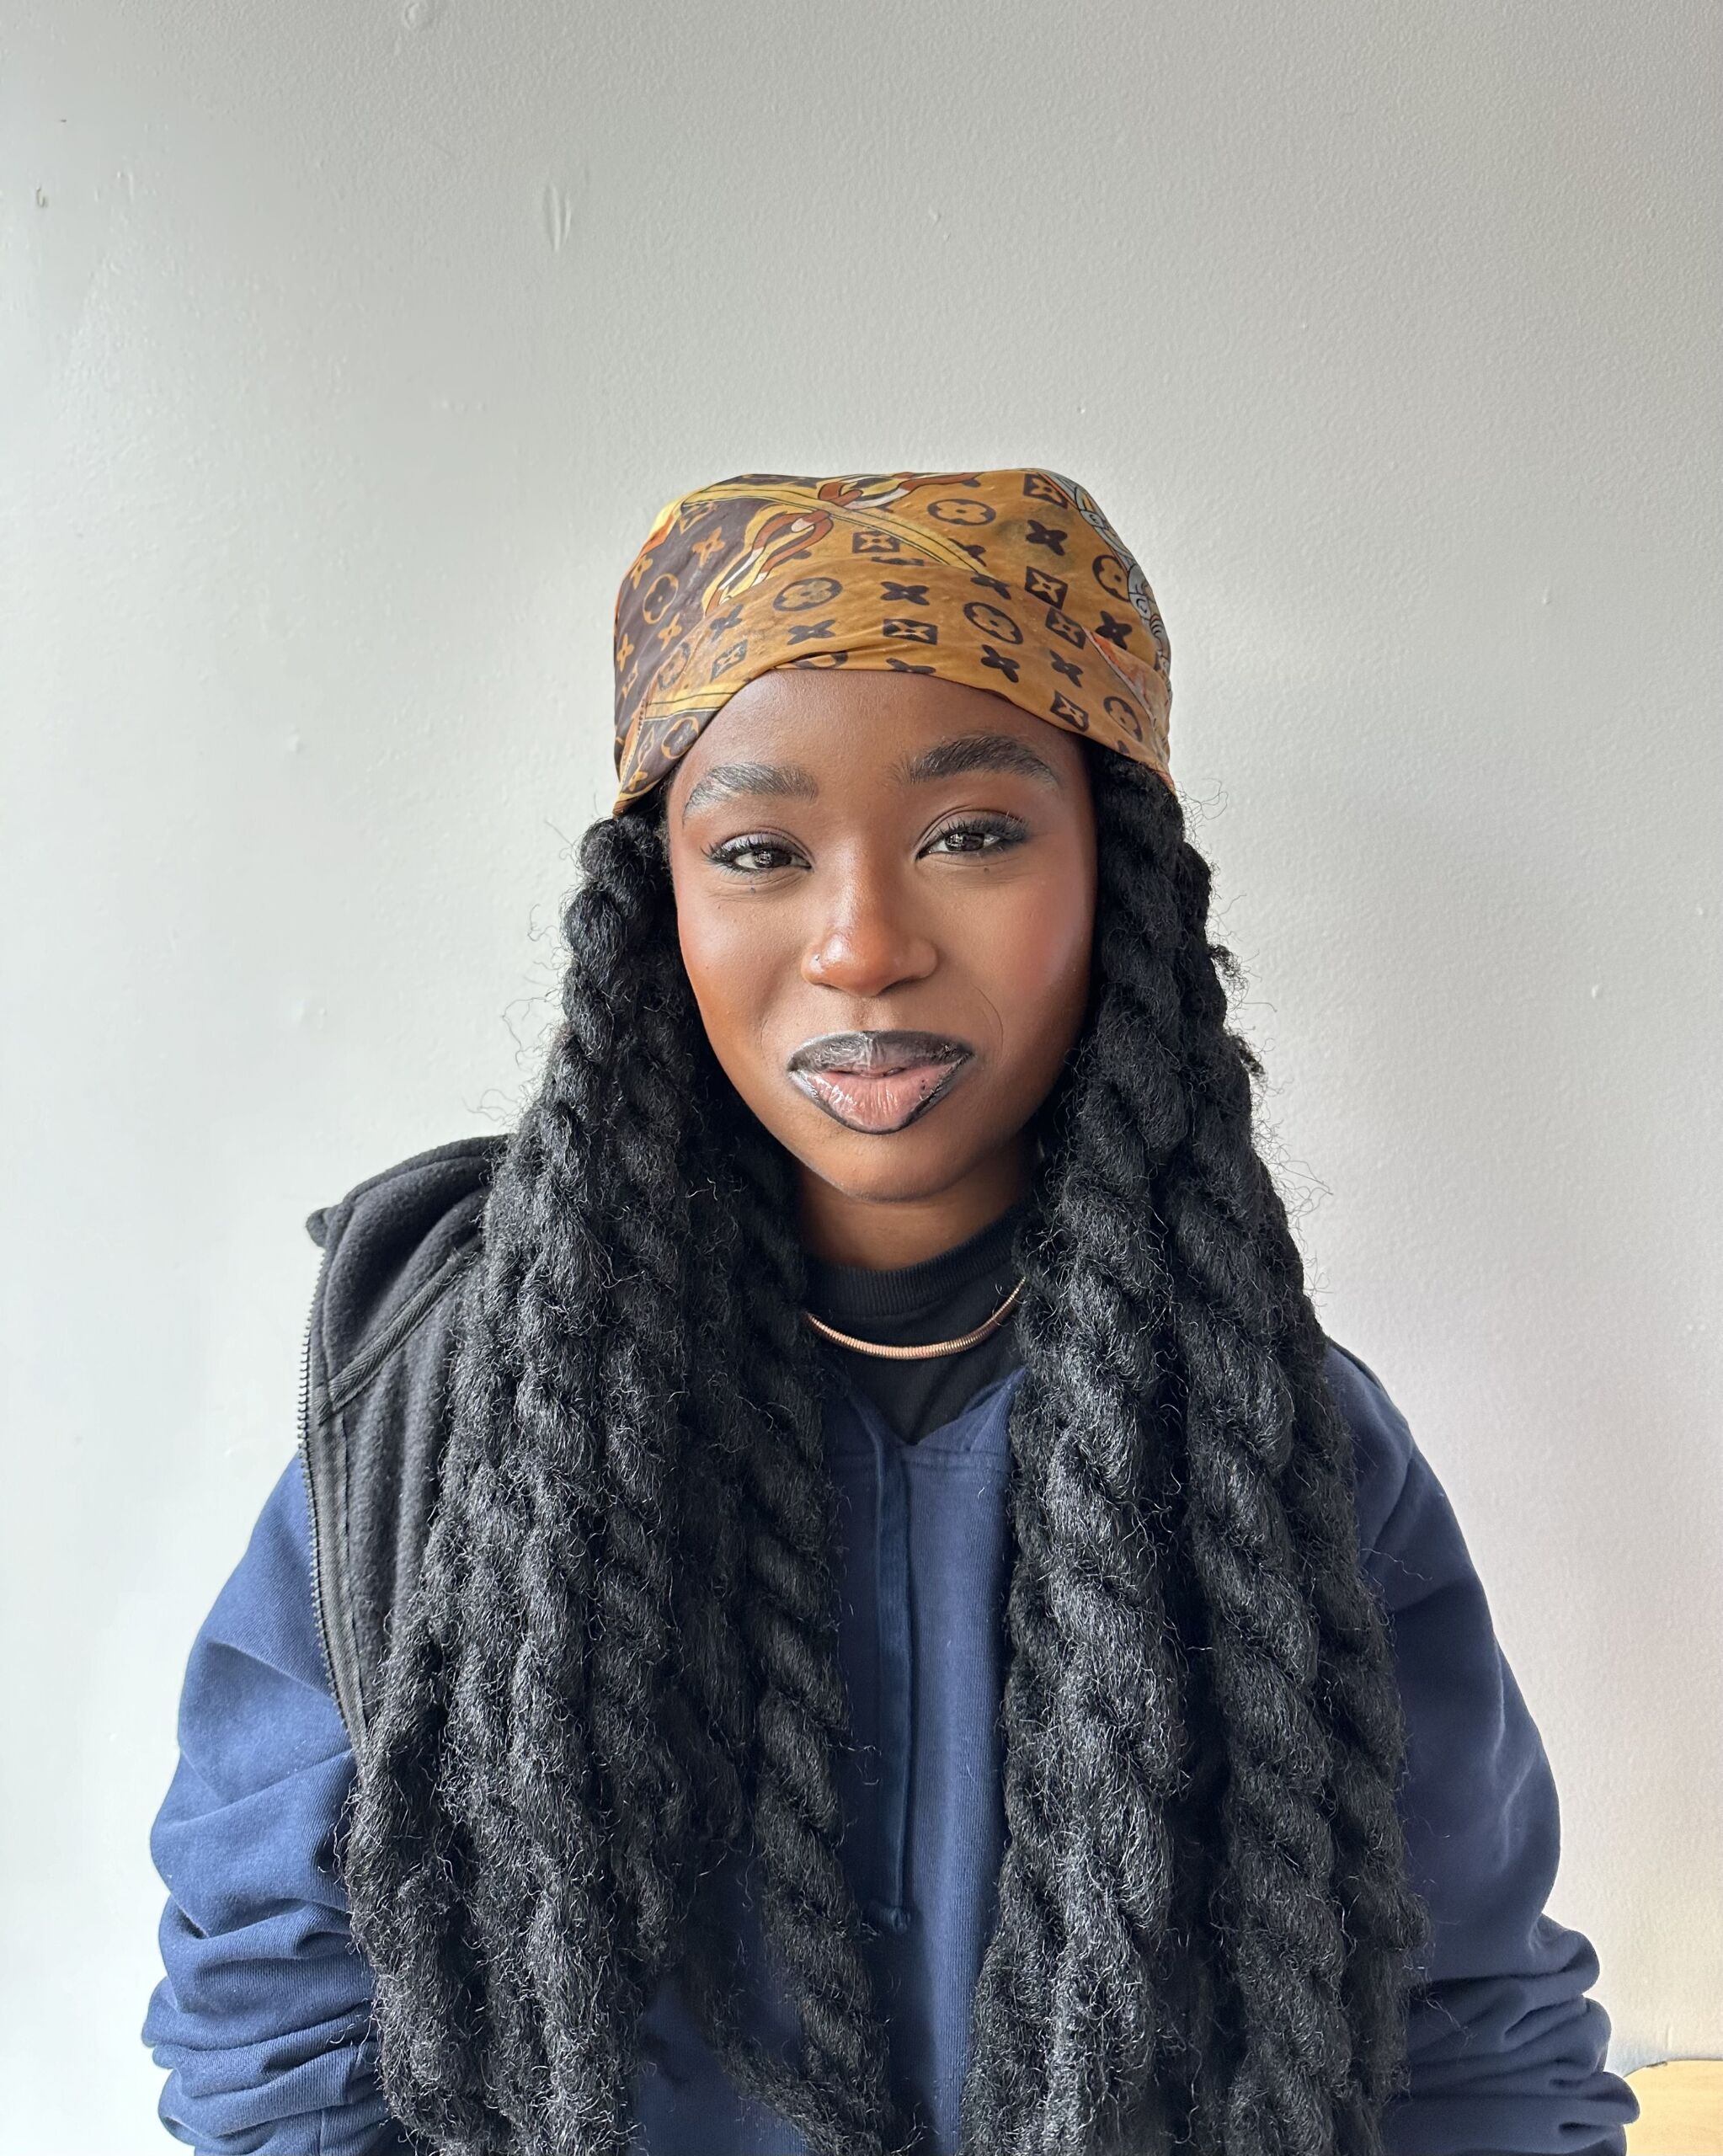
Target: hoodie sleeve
[
  {"x": 1505, "y": 2052},
  {"x": 261, "y": 2019}
]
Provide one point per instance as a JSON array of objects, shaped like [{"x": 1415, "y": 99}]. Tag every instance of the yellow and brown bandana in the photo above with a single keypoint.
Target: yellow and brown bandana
[{"x": 1012, "y": 581}]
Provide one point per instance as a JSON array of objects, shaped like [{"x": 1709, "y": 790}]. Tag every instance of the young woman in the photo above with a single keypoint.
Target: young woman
[{"x": 841, "y": 1598}]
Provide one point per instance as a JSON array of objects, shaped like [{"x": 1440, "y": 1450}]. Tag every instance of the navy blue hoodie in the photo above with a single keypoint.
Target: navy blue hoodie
[{"x": 261, "y": 2019}]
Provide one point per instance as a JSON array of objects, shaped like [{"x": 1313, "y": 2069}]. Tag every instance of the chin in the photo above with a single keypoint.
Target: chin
[{"x": 895, "y": 1169}]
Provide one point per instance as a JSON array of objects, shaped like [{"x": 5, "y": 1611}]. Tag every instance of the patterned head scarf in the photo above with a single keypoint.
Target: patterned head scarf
[{"x": 1012, "y": 581}]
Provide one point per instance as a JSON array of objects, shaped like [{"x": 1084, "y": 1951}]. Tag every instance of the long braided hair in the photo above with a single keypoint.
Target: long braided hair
[{"x": 618, "y": 1663}]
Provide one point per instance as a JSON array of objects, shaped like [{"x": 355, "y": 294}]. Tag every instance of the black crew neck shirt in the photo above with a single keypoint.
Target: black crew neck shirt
[{"x": 904, "y": 1305}]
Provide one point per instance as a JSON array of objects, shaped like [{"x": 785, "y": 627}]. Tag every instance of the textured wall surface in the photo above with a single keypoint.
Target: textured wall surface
[{"x": 349, "y": 349}]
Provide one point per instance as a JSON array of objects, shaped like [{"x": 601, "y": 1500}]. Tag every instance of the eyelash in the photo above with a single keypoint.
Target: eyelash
[{"x": 1006, "y": 829}]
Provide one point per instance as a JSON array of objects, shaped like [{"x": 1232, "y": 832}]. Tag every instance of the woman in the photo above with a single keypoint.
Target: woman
[{"x": 841, "y": 1599}]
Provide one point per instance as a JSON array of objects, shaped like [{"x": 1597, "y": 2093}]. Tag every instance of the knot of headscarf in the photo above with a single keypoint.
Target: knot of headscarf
[{"x": 1011, "y": 580}]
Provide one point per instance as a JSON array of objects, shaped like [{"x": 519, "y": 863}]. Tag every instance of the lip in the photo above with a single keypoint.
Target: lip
[{"x": 881, "y": 1082}]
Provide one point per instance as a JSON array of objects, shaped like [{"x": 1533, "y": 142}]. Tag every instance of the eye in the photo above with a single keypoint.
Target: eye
[
  {"x": 734, "y": 853},
  {"x": 1005, "y": 831},
  {"x": 757, "y": 855}
]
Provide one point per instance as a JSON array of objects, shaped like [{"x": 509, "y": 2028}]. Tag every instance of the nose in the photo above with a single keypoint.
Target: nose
[{"x": 867, "y": 939}]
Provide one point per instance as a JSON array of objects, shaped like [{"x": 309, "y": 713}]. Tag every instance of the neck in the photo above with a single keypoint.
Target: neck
[{"x": 882, "y": 1234}]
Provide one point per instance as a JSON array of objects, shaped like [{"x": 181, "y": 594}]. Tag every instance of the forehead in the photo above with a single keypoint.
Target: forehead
[{"x": 828, "y": 721}]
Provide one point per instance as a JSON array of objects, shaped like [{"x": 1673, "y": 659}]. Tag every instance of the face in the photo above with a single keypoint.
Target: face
[{"x": 885, "y": 898}]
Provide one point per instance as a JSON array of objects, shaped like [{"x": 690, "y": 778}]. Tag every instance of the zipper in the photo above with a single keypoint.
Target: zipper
[{"x": 311, "y": 1495}]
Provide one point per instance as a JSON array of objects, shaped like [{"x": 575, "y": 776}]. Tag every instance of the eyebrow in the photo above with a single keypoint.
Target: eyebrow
[{"x": 957, "y": 752}]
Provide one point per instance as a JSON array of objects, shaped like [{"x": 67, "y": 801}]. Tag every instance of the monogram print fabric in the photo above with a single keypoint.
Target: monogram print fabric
[{"x": 1009, "y": 580}]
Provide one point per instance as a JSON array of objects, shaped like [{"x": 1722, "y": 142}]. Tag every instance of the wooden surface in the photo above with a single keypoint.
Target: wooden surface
[{"x": 1681, "y": 2109}]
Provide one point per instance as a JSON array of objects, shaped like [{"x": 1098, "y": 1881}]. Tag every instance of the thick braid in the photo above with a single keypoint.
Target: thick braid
[
  {"x": 721, "y": 1687},
  {"x": 1280, "y": 1922},
  {"x": 409, "y": 1870},
  {"x": 1119, "y": 1736},
  {"x": 1281, "y": 1927},
  {"x": 468, "y": 1565},
  {"x": 564, "y": 1404},
  {"x": 644, "y": 1354},
  {"x": 484, "y": 1708},
  {"x": 811, "y": 1917},
  {"x": 1069, "y": 2017},
  {"x": 717, "y": 1676},
  {"x": 1384, "y": 1924},
  {"x": 1256, "y": 2016},
  {"x": 710, "y": 1696},
  {"x": 1004, "y": 2088}
]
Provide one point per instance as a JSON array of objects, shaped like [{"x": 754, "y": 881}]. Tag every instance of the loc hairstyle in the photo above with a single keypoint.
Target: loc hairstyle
[{"x": 617, "y": 1666}]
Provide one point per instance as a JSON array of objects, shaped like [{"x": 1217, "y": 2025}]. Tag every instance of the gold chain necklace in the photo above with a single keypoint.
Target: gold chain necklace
[{"x": 916, "y": 1354}]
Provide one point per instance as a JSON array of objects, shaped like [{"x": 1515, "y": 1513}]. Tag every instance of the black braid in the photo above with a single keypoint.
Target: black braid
[
  {"x": 790, "y": 1616},
  {"x": 619, "y": 1666},
  {"x": 1320, "y": 1625},
  {"x": 1285, "y": 2026}
]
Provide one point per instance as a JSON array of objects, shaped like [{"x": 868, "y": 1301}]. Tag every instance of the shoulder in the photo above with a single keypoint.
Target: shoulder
[
  {"x": 1383, "y": 1449},
  {"x": 393, "y": 1241},
  {"x": 263, "y": 1613},
  {"x": 1410, "y": 1539}
]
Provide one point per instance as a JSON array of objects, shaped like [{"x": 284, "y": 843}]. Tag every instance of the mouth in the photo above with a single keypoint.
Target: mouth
[{"x": 878, "y": 1082}]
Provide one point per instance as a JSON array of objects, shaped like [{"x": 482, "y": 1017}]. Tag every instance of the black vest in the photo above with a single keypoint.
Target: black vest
[{"x": 373, "y": 1412}]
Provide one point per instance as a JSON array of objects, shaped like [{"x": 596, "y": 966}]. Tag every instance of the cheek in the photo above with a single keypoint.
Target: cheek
[
  {"x": 1035, "y": 948},
  {"x": 731, "y": 966}
]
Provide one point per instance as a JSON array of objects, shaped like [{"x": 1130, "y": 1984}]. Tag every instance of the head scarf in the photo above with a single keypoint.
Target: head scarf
[{"x": 1011, "y": 580}]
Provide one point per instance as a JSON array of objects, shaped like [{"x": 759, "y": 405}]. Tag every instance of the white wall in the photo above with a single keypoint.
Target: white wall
[{"x": 350, "y": 348}]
